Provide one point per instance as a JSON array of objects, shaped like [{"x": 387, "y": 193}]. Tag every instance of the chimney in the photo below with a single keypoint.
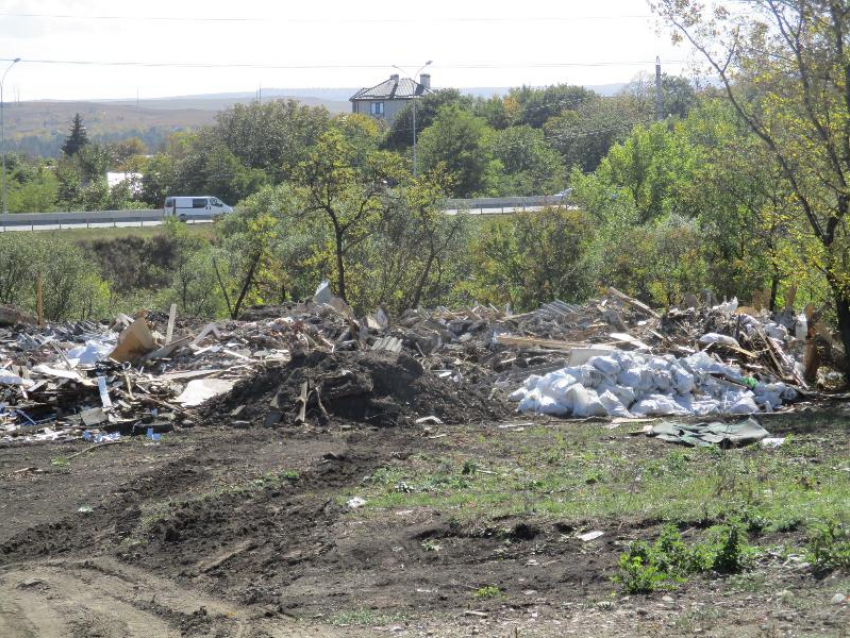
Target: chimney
[
  {"x": 394, "y": 77},
  {"x": 425, "y": 80}
]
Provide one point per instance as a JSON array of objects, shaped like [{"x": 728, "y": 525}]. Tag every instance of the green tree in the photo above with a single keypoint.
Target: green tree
[
  {"x": 347, "y": 195},
  {"x": 211, "y": 168},
  {"x": 126, "y": 151},
  {"x": 158, "y": 180},
  {"x": 531, "y": 258},
  {"x": 648, "y": 169},
  {"x": 531, "y": 167},
  {"x": 77, "y": 138},
  {"x": 534, "y": 106},
  {"x": 463, "y": 144},
  {"x": 273, "y": 136},
  {"x": 784, "y": 66},
  {"x": 678, "y": 95},
  {"x": 584, "y": 136},
  {"x": 400, "y": 135}
]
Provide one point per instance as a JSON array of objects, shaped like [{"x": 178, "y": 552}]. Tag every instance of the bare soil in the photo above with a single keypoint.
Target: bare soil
[{"x": 227, "y": 532}]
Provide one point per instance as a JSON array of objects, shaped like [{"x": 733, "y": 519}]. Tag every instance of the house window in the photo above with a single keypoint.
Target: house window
[{"x": 377, "y": 108}]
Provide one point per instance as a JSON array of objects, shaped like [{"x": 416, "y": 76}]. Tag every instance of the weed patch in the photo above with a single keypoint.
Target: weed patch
[
  {"x": 669, "y": 561},
  {"x": 829, "y": 546}
]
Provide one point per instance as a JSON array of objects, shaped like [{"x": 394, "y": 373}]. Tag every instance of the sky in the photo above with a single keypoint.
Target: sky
[{"x": 211, "y": 46}]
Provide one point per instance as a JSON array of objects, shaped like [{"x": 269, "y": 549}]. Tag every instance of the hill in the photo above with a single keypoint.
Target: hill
[{"x": 38, "y": 128}]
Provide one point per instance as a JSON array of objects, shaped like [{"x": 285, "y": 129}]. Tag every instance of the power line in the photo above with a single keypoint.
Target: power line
[
  {"x": 208, "y": 65},
  {"x": 236, "y": 19}
]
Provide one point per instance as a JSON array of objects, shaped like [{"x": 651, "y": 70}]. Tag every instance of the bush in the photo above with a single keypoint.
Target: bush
[
  {"x": 532, "y": 258},
  {"x": 829, "y": 546},
  {"x": 73, "y": 289},
  {"x": 669, "y": 561},
  {"x": 639, "y": 573}
]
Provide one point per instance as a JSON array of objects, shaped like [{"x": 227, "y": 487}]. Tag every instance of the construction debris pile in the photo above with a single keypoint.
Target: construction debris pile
[
  {"x": 691, "y": 362},
  {"x": 369, "y": 388},
  {"x": 63, "y": 381},
  {"x": 316, "y": 362}
]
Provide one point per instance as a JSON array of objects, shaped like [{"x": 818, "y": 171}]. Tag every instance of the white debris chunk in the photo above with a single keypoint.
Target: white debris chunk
[
  {"x": 628, "y": 384},
  {"x": 723, "y": 340},
  {"x": 200, "y": 390}
]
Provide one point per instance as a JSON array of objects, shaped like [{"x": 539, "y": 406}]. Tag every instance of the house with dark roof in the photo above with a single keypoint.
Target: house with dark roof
[{"x": 384, "y": 101}]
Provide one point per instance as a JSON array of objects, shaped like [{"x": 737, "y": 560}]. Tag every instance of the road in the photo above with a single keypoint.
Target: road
[
  {"x": 153, "y": 217},
  {"x": 93, "y": 225}
]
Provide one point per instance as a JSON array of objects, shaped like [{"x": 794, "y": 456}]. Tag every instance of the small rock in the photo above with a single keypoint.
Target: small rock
[
  {"x": 356, "y": 502},
  {"x": 668, "y": 599},
  {"x": 839, "y": 599},
  {"x": 590, "y": 536},
  {"x": 31, "y": 583}
]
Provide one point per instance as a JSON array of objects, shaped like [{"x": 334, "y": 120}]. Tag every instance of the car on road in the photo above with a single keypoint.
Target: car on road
[{"x": 198, "y": 206}]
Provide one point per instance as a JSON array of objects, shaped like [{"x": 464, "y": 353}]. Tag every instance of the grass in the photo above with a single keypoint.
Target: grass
[
  {"x": 90, "y": 234},
  {"x": 364, "y": 617},
  {"x": 583, "y": 472},
  {"x": 488, "y": 591}
]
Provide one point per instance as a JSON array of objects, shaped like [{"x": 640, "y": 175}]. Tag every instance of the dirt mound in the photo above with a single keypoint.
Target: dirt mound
[{"x": 370, "y": 388}]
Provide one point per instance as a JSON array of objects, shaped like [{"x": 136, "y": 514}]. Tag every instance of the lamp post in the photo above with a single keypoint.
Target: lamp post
[
  {"x": 3, "y": 136},
  {"x": 415, "y": 83}
]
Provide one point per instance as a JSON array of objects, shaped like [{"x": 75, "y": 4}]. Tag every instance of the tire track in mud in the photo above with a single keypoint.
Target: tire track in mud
[
  {"x": 81, "y": 598},
  {"x": 70, "y": 577}
]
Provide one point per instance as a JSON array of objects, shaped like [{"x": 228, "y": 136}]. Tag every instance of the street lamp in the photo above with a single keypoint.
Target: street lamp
[
  {"x": 415, "y": 83},
  {"x": 3, "y": 136}
]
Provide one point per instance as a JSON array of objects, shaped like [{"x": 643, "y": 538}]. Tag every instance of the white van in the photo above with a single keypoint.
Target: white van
[{"x": 199, "y": 206}]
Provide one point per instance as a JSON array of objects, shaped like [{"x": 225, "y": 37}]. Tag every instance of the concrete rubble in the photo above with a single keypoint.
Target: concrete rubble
[{"x": 610, "y": 357}]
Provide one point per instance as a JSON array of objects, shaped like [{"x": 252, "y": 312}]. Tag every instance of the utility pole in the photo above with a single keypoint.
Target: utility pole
[
  {"x": 415, "y": 85},
  {"x": 659, "y": 99},
  {"x": 4, "y": 209}
]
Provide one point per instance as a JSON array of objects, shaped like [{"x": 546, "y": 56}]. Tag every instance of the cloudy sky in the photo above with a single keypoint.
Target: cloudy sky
[{"x": 162, "y": 48}]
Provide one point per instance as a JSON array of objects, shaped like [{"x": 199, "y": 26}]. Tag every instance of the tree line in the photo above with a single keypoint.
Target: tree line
[{"x": 744, "y": 190}]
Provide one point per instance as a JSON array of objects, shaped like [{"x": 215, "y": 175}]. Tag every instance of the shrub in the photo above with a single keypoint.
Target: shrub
[{"x": 829, "y": 546}]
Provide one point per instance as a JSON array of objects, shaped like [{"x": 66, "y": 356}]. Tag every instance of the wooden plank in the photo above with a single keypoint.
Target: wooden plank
[
  {"x": 172, "y": 316},
  {"x": 166, "y": 351},
  {"x": 39, "y": 298},
  {"x": 531, "y": 342},
  {"x": 634, "y": 303},
  {"x": 210, "y": 327}
]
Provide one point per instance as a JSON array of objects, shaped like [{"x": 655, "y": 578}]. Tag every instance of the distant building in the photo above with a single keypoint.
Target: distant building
[
  {"x": 384, "y": 101},
  {"x": 134, "y": 181}
]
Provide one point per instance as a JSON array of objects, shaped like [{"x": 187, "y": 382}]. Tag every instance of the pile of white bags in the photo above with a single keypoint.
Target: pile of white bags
[{"x": 626, "y": 384}]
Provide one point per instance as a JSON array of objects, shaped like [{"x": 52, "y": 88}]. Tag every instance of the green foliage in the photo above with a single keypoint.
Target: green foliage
[
  {"x": 273, "y": 137},
  {"x": 32, "y": 188},
  {"x": 645, "y": 568},
  {"x": 461, "y": 144},
  {"x": 828, "y": 546},
  {"x": 584, "y": 136},
  {"x": 527, "y": 259},
  {"x": 211, "y": 168},
  {"x": 534, "y": 107},
  {"x": 638, "y": 575},
  {"x": 488, "y": 591},
  {"x": 77, "y": 138},
  {"x": 731, "y": 551},
  {"x": 400, "y": 135},
  {"x": 72, "y": 289},
  {"x": 531, "y": 167}
]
